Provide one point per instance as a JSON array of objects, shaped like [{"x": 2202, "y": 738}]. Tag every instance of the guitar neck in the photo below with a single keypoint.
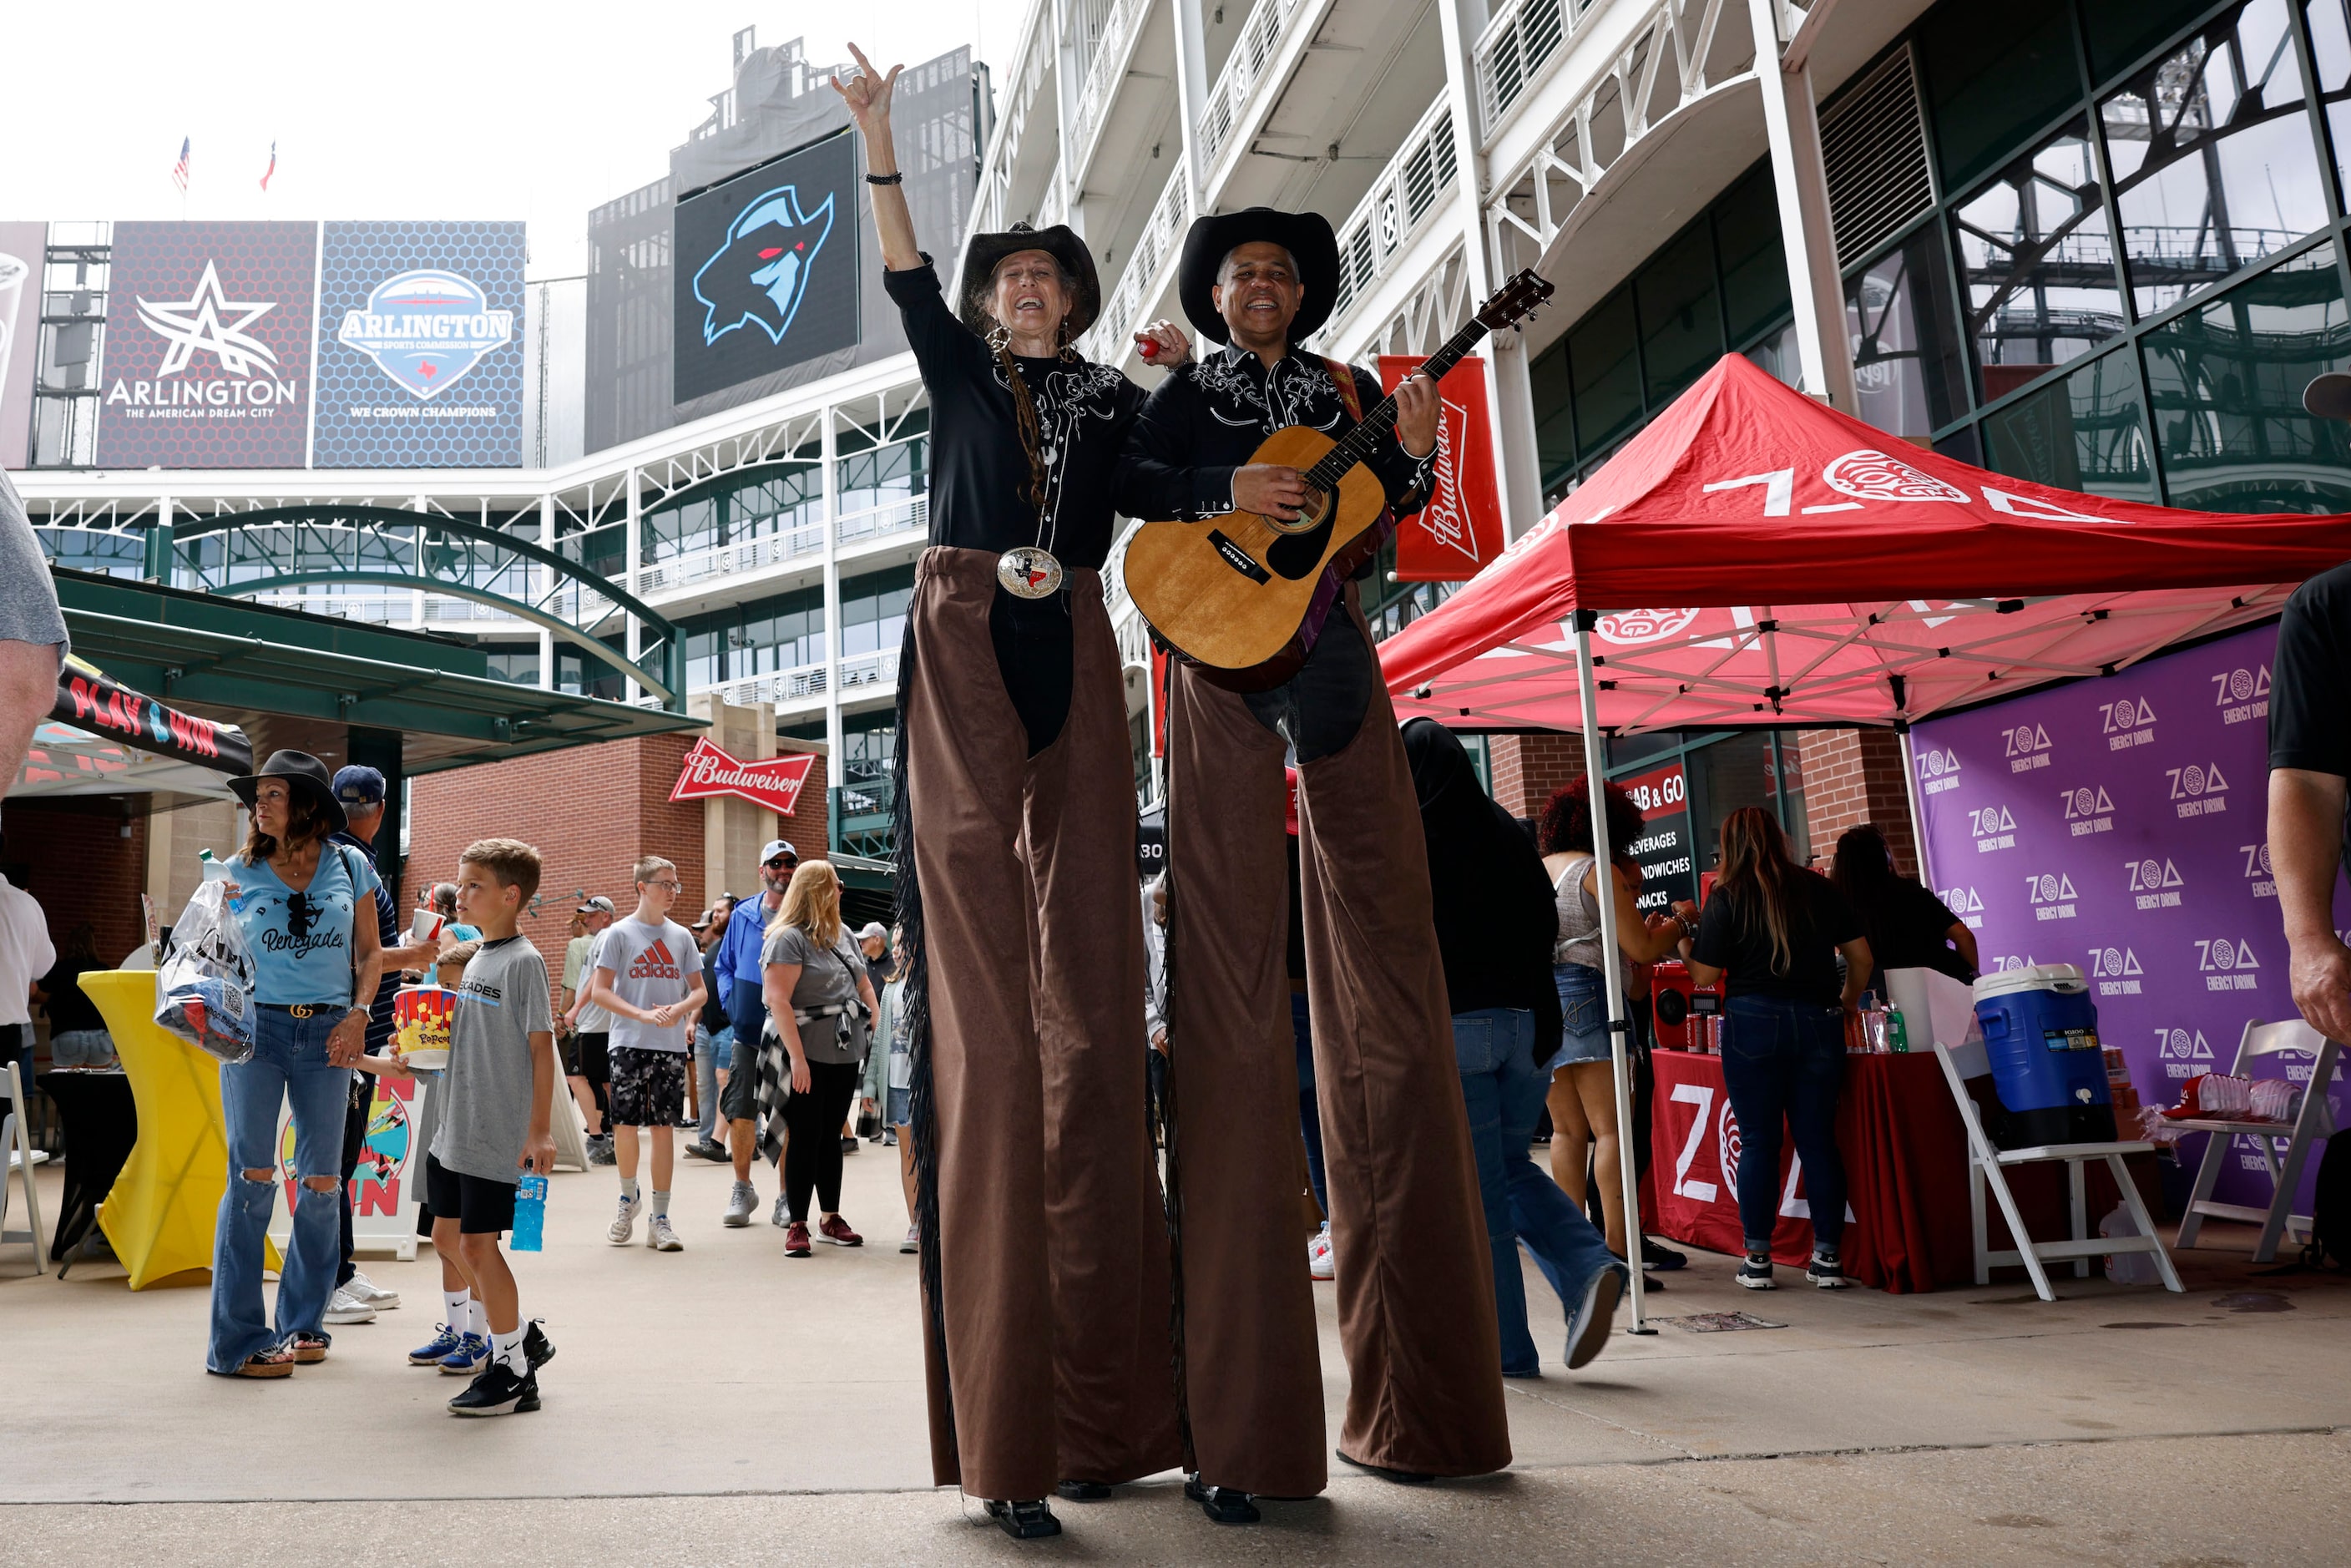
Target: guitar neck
[{"x": 1379, "y": 419}]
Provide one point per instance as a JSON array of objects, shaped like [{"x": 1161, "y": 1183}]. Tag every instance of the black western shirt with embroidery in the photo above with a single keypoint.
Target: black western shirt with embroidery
[
  {"x": 979, "y": 472},
  {"x": 1210, "y": 417}
]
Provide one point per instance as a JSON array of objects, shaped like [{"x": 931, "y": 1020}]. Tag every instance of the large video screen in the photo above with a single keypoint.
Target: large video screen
[
  {"x": 420, "y": 345},
  {"x": 208, "y": 337},
  {"x": 767, "y": 269}
]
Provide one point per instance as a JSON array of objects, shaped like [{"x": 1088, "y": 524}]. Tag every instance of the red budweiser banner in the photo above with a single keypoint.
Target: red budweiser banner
[
  {"x": 1460, "y": 529},
  {"x": 775, "y": 784}
]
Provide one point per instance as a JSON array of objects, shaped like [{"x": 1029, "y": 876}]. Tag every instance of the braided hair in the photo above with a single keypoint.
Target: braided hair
[{"x": 1024, "y": 404}]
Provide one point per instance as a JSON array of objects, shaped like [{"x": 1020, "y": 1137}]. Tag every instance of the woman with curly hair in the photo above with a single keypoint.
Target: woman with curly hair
[{"x": 1582, "y": 1074}]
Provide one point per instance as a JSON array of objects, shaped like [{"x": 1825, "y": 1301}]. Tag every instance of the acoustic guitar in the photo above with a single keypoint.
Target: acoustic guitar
[{"x": 1231, "y": 595}]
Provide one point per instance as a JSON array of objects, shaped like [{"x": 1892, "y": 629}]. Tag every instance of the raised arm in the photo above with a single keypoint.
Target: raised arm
[{"x": 868, "y": 96}]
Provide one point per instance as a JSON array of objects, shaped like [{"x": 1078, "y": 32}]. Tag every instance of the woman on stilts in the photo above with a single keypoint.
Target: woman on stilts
[{"x": 1044, "y": 1260}]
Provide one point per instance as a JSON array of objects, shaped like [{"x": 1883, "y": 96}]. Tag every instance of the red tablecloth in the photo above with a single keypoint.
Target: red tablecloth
[{"x": 1906, "y": 1161}]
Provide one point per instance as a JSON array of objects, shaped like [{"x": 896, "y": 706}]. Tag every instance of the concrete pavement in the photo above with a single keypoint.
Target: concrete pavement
[{"x": 713, "y": 1405}]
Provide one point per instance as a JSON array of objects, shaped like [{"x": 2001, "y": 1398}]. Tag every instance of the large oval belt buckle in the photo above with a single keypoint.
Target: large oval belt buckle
[{"x": 1029, "y": 572}]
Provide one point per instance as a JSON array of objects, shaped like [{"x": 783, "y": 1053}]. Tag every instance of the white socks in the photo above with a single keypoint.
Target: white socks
[
  {"x": 477, "y": 1318},
  {"x": 661, "y": 1204},
  {"x": 507, "y": 1348},
  {"x": 628, "y": 1188},
  {"x": 455, "y": 1303}
]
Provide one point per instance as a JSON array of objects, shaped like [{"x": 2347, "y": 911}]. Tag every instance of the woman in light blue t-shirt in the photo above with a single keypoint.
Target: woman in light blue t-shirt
[{"x": 292, "y": 893}]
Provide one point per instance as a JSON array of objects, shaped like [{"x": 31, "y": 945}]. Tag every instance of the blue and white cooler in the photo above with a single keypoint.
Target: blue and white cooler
[{"x": 2041, "y": 1033}]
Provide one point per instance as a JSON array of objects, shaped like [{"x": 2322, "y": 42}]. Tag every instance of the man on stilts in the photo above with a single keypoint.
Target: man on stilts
[
  {"x": 1044, "y": 1259},
  {"x": 1415, "y": 1281}
]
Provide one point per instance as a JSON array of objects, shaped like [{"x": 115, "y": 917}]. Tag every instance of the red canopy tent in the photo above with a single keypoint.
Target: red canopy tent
[
  {"x": 1817, "y": 578},
  {"x": 1826, "y": 573}
]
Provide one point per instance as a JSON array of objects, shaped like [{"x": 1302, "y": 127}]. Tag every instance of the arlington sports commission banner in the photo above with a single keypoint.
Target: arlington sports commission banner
[
  {"x": 290, "y": 345},
  {"x": 2119, "y": 825}
]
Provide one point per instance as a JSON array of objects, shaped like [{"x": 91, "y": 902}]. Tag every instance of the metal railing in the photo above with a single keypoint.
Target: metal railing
[
  {"x": 1104, "y": 73},
  {"x": 1260, "y": 37},
  {"x": 1417, "y": 181},
  {"x": 733, "y": 560},
  {"x": 795, "y": 685},
  {"x": 1162, "y": 237},
  {"x": 869, "y": 670},
  {"x": 911, "y": 515},
  {"x": 1515, "y": 50}
]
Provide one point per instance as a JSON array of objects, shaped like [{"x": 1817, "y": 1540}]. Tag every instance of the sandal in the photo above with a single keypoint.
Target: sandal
[{"x": 277, "y": 1361}]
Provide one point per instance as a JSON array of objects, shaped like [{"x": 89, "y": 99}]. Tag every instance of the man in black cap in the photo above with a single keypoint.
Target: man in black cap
[
  {"x": 1044, "y": 1264},
  {"x": 1416, "y": 1308}
]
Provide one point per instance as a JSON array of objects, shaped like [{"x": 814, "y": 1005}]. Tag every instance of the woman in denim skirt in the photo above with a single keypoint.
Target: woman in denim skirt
[
  {"x": 1582, "y": 1073},
  {"x": 292, "y": 893},
  {"x": 1774, "y": 930}
]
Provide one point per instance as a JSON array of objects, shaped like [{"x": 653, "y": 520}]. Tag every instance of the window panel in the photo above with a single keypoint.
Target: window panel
[
  {"x": 2330, "y": 59},
  {"x": 2038, "y": 262},
  {"x": 2211, "y": 156},
  {"x": 882, "y": 475},
  {"x": 1547, "y": 379},
  {"x": 2226, "y": 382},
  {"x": 1605, "y": 369},
  {"x": 1996, "y": 70},
  {"x": 1777, "y": 356},
  {"x": 2122, "y": 30},
  {"x": 1754, "y": 265},
  {"x": 1906, "y": 347},
  {"x": 1681, "y": 324},
  {"x": 2087, "y": 432}
]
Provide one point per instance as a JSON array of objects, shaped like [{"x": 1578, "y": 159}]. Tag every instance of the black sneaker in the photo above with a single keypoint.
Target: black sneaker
[
  {"x": 599, "y": 1152},
  {"x": 1028, "y": 1520},
  {"x": 1222, "y": 1504},
  {"x": 1661, "y": 1259},
  {"x": 1755, "y": 1273},
  {"x": 497, "y": 1392},
  {"x": 1826, "y": 1273},
  {"x": 538, "y": 1350},
  {"x": 709, "y": 1149}
]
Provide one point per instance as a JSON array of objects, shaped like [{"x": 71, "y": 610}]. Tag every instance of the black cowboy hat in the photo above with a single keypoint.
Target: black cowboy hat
[
  {"x": 1306, "y": 236},
  {"x": 987, "y": 252},
  {"x": 303, "y": 774}
]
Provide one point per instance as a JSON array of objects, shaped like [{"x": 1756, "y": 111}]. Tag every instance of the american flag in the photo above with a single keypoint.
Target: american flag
[
  {"x": 266, "y": 173},
  {"x": 179, "y": 170}
]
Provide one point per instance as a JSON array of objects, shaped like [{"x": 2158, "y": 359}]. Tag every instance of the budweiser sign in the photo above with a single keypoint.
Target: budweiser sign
[{"x": 774, "y": 784}]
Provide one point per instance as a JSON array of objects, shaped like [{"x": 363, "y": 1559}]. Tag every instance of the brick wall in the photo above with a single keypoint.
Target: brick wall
[
  {"x": 591, "y": 810},
  {"x": 1852, "y": 777},
  {"x": 1529, "y": 768},
  {"x": 71, "y": 855}
]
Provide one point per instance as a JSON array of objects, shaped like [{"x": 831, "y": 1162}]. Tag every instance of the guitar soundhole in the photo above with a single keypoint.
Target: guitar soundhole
[
  {"x": 1310, "y": 516},
  {"x": 1296, "y": 555}
]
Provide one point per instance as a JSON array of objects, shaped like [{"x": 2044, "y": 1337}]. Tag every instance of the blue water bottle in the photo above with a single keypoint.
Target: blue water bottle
[{"x": 530, "y": 1214}]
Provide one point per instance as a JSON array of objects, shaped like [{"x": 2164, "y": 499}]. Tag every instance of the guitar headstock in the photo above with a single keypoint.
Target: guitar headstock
[{"x": 1515, "y": 300}]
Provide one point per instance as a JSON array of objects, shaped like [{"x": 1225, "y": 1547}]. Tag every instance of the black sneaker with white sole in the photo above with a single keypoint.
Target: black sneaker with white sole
[
  {"x": 497, "y": 1392},
  {"x": 1826, "y": 1273},
  {"x": 537, "y": 1348},
  {"x": 1755, "y": 1273}
]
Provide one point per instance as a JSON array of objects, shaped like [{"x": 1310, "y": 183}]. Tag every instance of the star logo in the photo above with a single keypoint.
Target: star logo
[{"x": 203, "y": 324}]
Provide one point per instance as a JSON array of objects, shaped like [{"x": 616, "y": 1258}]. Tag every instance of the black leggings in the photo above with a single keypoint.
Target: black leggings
[{"x": 812, "y": 1120}]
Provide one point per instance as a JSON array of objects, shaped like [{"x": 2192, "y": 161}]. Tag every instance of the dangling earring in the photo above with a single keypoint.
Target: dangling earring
[
  {"x": 1068, "y": 351},
  {"x": 999, "y": 338}
]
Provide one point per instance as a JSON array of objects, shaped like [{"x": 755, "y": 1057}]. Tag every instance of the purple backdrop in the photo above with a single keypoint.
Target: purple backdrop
[{"x": 2118, "y": 824}]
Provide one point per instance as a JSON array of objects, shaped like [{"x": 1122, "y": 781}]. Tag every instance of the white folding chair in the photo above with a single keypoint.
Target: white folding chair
[
  {"x": 2311, "y": 1126},
  {"x": 16, "y": 1148},
  {"x": 1989, "y": 1166}
]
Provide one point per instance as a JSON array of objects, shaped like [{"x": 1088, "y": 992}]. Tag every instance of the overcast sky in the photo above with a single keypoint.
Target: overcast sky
[{"x": 487, "y": 109}]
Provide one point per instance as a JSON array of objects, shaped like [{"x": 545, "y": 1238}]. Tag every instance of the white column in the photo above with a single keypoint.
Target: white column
[
  {"x": 1509, "y": 395},
  {"x": 1191, "y": 88},
  {"x": 1067, "y": 81},
  {"x": 1815, "y": 288},
  {"x": 545, "y": 637},
  {"x": 829, "y": 446},
  {"x": 635, "y": 534}
]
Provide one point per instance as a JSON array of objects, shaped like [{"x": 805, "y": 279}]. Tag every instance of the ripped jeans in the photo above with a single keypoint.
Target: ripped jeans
[{"x": 288, "y": 1062}]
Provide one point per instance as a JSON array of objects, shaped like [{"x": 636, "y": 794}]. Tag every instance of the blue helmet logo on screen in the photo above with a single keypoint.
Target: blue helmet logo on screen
[
  {"x": 426, "y": 328},
  {"x": 759, "y": 276}
]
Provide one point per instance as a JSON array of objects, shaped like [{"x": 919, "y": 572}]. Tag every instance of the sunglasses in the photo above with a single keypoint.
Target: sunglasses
[
  {"x": 782, "y": 862},
  {"x": 300, "y": 915}
]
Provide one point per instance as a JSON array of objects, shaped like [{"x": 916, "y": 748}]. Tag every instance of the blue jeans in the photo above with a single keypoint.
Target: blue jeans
[
  {"x": 288, "y": 1062},
  {"x": 1783, "y": 1057},
  {"x": 1309, "y": 1115},
  {"x": 709, "y": 1050},
  {"x": 1503, "y": 1090}
]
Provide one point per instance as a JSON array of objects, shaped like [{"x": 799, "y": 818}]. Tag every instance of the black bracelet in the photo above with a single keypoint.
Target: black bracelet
[{"x": 896, "y": 179}]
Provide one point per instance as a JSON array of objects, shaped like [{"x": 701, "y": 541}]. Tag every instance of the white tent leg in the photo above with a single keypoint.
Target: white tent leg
[
  {"x": 1620, "y": 1026},
  {"x": 1910, "y": 794}
]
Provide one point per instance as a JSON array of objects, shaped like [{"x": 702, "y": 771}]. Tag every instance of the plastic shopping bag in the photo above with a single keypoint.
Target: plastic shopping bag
[{"x": 203, "y": 983}]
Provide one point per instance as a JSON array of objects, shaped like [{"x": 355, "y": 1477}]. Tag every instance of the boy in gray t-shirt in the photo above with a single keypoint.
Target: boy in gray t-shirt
[
  {"x": 646, "y": 974},
  {"x": 498, "y": 1096}
]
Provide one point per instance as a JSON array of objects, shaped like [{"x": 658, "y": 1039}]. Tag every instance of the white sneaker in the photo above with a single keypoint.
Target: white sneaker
[
  {"x": 661, "y": 1237},
  {"x": 913, "y": 1242},
  {"x": 1318, "y": 1254},
  {"x": 346, "y": 1308},
  {"x": 624, "y": 1224},
  {"x": 373, "y": 1294}
]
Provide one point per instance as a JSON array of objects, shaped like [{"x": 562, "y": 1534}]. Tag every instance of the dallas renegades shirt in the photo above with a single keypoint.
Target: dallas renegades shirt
[
  {"x": 652, "y": 966},
  {"x": 1209, "y": 418}
]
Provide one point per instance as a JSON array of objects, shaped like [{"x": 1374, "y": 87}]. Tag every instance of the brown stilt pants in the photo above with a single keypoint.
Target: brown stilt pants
[
  {"x": 1054, "y": 1257},
  {"x": 1414, "y": 1278}
]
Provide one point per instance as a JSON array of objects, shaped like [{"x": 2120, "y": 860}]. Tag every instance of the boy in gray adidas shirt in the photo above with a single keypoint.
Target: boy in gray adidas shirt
[{"x": 646, "y": 973}]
